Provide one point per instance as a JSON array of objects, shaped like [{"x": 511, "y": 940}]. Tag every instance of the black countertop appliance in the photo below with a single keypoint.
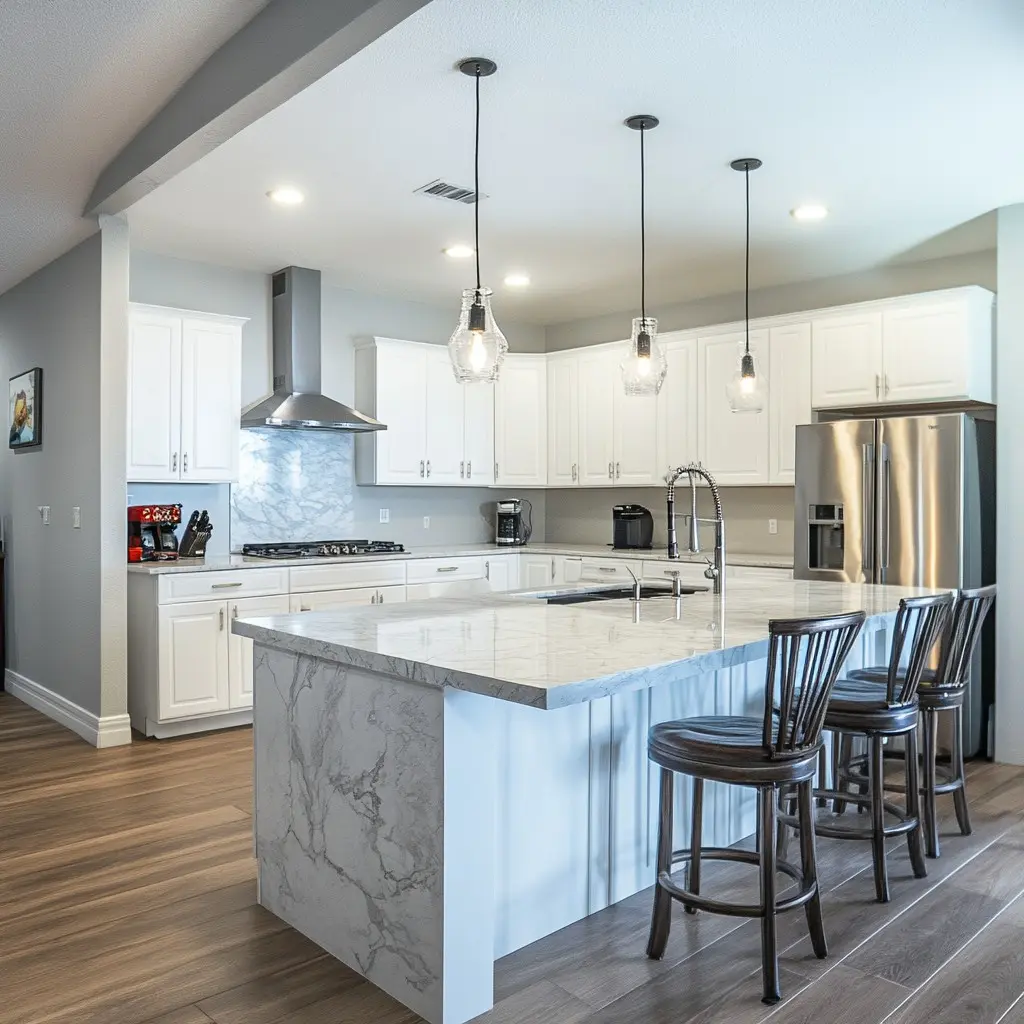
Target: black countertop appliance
[{"x": 632, "y": 527}]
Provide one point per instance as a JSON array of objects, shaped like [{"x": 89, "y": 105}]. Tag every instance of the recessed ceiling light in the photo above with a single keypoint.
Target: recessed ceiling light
[
  {"x": 458, "y": 252},
  {"x": 517, "y": 280},
  {"x": 809, "y": 211},
  {"x": 286, "y": 195}
]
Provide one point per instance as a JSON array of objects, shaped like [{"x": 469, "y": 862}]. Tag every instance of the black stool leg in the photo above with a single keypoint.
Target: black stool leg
[
  {"x": 823, "y": 770},
  {"x": 876, "y": 778},
  {"x": 963, "y": 816},
  {"x": 696, "y": 834},
  {"x": 931, "y": 818},
  {"x": 839, "y": 742},
  {"x": 768, "y": 801},
  {"x": 913, "y": 790},
  {"x": 661, "y": 916},
  {"x": 809, "y": 865}
]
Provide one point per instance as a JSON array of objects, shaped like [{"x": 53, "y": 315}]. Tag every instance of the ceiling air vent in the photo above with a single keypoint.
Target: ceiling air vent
[{"x": 439, "y": 189}]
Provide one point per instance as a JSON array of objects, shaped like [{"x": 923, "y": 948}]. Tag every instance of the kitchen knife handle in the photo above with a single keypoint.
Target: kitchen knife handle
[{"x": 867, "y": 562}]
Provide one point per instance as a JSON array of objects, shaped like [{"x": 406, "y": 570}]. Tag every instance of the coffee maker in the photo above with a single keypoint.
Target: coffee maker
[
  {"x": 151, "y": 532},
  {"x": 513, "y": 521}
]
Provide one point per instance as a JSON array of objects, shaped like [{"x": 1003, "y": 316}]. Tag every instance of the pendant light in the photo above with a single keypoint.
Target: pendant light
[
  {"x": 746, "y": 389},
  {"x": 644, "y": 367},
  {"x": 477, "y": 347}
]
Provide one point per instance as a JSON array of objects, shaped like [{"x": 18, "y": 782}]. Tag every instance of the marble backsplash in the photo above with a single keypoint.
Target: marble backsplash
[{"x": 293, "y": 484}]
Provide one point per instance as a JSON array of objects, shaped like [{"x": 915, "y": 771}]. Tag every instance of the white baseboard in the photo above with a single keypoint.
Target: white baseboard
[{"x": 111, "y": 731}]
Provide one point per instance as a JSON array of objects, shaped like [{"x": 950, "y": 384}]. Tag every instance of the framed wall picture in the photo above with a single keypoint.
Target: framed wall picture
[{"x": 25, "y": 410}]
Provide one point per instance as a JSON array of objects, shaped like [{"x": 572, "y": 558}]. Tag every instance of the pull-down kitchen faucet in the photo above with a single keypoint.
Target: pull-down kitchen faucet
[{"x": 715, "y": 570}]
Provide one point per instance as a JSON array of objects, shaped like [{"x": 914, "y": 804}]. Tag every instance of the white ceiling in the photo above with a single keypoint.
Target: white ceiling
[
  {"x": 78, "y": 78},
  {"x": 903, "y": 116}
]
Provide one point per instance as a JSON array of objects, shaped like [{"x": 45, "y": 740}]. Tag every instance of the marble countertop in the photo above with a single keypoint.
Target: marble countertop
[
  {"x": 219, "y": 563},
  {"x": 516, "y": 647}
]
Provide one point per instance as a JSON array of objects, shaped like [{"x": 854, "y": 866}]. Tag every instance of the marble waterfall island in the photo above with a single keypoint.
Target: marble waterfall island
[{"x": 440, "y": 783}]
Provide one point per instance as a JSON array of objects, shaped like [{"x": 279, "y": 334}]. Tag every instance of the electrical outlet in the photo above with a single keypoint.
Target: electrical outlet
[
  {"x": 44, "y": 514},
  {"x": 773, "y": 526},
  {"x": 385, "y": 515},
  {"x": 76, "y": 517},
  {"x": 131, "y": 499},
  {"x": 426, "y": 522}
]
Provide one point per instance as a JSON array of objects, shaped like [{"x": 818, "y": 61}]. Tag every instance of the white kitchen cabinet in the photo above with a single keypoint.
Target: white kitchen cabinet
[
  {"x": 846, "y": 359},
  {"x": 325, "y": 600},
  {"x": 520, "y": 422},
  {"x": 447, "y": 588},
  {"x": 635, "y": 420},
  {"x": 610, "y": 570},
  {"x": 563, "y": 420},
  {"x": 440, "y": 432},
  {"x": 240, "y": 647},
  {"x": 789, "y": 397},
  {"x": 733, "y": 446},
  {"x": 536, "y": 571},
  {"x": 598, "y": 376},
  {"x": 677, "y": 404},
  {"x": 193, "y": 645},
  {"x": 502, "y": 572},
  {"x": 184, "y": 395}
]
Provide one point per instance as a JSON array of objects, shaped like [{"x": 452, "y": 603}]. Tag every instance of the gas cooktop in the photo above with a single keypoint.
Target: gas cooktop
[{"x": 323, "y": 549}]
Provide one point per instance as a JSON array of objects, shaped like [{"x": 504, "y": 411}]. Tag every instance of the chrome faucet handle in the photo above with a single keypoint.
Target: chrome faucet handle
[{"x": 711, "y": 572}]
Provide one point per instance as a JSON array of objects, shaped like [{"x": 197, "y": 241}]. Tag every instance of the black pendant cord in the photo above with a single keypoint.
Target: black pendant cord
[
  {"x": 643, "y": 238},
  {"x": 476, "y": 183},
  {"x": 746, "y": 273}
]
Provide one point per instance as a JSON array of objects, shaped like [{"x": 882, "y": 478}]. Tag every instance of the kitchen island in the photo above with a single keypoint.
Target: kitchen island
[{"x": 442, "y": 782}]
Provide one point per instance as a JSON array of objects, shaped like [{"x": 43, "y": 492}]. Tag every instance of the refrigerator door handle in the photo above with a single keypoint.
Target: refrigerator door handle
[
  {"x": 883, "y": 517},
  {"x": 867, "y": 474}
]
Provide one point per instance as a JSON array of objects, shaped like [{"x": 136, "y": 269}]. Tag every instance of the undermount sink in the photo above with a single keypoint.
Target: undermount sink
[{"x": 623, "y": 593}]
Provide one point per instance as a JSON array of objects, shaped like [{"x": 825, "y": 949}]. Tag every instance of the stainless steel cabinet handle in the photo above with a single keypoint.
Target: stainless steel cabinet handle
[
  {"x": 611, "y": 471},
  {"x": 606, "y": 568},
  {"x": 174, "y": 463},
  {"x": 184, "y": 463},
  {"x": 487, "y": 570},
  {"x": 574, "y": 471},
  {"x": 462, "y": 469},
  {"x": 235, "y": 612},
  {"x": 428, "y": 467},
  {"x": 887, "y": 385},
  {"x": 224, "y": 586},
  {"x": 671, "y": 572},
  {"x": 495, "y": 472},
  {"x": 373, "y": 599},
  {"x": 552, "y": 569},
  {"x": 448, "y": 568},
  {"x": 469, "y": 470},
  {"x": 421, "y": 467},
  {"x": 878, "y": 384},
  {"x": 380, "y": 597},
  {"x": 220, "y": 616},
  {"x": 303, "y": 608},
  {"x": 618, "y": 470},
  {"x": 867, "y": 477}
]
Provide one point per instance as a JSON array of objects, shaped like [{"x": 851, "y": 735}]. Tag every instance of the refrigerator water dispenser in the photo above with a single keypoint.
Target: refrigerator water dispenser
[{"x": 826, "y": 546}]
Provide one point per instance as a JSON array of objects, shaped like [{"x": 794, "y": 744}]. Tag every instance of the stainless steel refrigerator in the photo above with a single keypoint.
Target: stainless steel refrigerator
[{"x": 907, "y": 500}]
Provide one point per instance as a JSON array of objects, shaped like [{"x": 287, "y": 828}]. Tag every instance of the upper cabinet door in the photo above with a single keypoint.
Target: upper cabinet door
[
  {"x": 789, "y": 397},
  {"x": 925, "y": 352},
  {"x": 677, "y": 407},
  {"x": 732, "y": 445},
  {"x": 598, "y": 378},
  {"x": 478, "y": 434},
  {"x": 520, "y": 422},
  {"x": 563, "y": 421},
  {"x": 154, "y": 396},
  {"x": 400, "y": 372},
  {"x": 636, "y": 436},
  {"x": 211, "y": 398},
  {"x": 846, "y": 360},
  {"x": 446, "y": 459}
]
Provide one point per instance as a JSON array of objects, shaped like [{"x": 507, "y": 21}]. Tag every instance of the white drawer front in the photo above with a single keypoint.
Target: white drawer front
[
  {"x": 758, "y": 572},
  {"x": 215, "y": 586},
  {"x": 689, "y": 572},
  {"x": 432, "y": 570},
  {"x": 595, "y": 570},
  {"x": 313, "y": 578}
]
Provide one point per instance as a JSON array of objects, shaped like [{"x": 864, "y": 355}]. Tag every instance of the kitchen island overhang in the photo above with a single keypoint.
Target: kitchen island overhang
[{"x": 417, "y": 828}]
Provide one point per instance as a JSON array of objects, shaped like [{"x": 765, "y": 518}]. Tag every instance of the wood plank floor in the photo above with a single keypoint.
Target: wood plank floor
[{"x": 127, "y": 895}]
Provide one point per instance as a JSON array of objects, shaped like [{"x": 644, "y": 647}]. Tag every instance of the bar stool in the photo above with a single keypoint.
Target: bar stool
[
  {"x": 879, "y": 708},
  {"x": 778, "y": 749},
  {"x": 942, "y": 690}
]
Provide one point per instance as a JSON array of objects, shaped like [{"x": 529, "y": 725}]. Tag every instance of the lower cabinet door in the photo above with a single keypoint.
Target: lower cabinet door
[
  {"x": 390, "y": 595},
  {"x": 322, "y": 600},
  {"x": 536, "y": 571},
  {"x": 193, "y": 659},
  {"x": 240, "y": 647}
]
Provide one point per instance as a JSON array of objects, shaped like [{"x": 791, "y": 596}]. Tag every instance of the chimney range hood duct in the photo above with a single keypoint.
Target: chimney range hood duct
[{"x": 297, "y": 402}]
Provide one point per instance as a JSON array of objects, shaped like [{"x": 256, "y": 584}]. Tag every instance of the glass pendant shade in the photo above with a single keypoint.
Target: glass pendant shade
[
  {"x": 645, "y": 366},
  {"x": 477, "y": 348},
  {"x": 746, "y": 389}
]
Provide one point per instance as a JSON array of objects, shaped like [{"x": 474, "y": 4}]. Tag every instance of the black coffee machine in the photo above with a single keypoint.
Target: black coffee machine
[
  {"x": 632, "y": 527},
  {"x": 513, "y": 521}
]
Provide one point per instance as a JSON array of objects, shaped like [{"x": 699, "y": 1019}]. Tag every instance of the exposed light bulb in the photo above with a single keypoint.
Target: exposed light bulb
[
  {"x": 477, "y": 353},
  {"x": 747, "y": 385},
  {"x": 643, "y": 366}
]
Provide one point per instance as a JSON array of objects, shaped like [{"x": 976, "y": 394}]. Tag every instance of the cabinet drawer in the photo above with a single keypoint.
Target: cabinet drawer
[
  {"x": 213, "y": 586},
  {"x": 758, "y": 572},
  {"x": 689, "y": 572},
  {"x": 431, "y": 570},
  {"x": 598, "y": 569},
  {"x": 308, "y": 579}
]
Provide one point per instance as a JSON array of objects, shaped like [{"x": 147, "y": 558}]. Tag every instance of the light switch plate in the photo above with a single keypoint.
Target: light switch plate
[
  {"x": 426, "y": 522},
  {"x": 773, "y": 526},
  {"x": 44, "y": 514},
  {"x": 385, "y": 515}
]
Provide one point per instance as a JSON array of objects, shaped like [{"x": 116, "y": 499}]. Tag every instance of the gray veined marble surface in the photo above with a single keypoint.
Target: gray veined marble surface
[
  {"x": 293, "y": 485},
  {"x": 349, "y": 793}
]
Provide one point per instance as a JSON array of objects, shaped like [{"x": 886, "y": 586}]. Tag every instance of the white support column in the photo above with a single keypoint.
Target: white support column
[{"x": 1009, "y": 372}]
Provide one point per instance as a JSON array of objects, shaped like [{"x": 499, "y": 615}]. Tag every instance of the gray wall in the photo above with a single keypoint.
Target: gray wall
[
  {"x": 455, "y": 514},
  {"x": 881, "y": 283},
  {"x": 60, "y": 633}
]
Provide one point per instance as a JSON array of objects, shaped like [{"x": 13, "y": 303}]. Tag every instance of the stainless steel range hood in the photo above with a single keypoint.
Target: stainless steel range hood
[{"x": 297, "y": 402}]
